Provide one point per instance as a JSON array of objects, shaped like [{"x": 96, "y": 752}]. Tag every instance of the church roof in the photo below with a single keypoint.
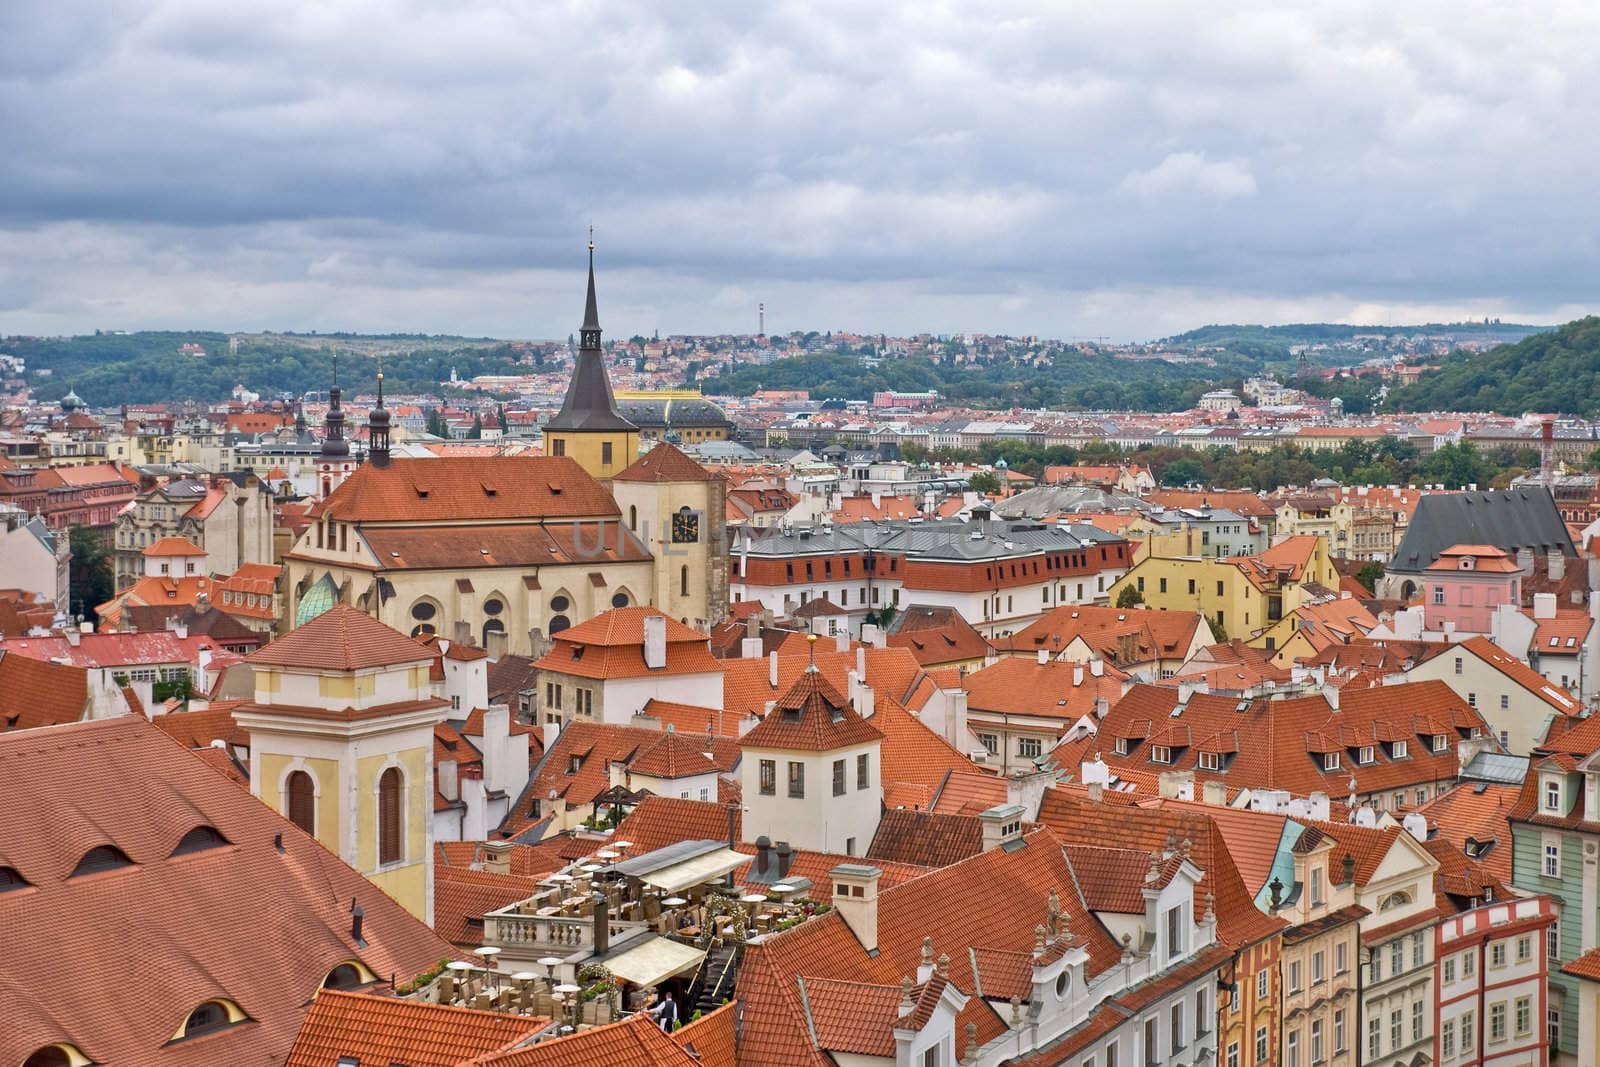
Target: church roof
[
  {"x": 341, "y": 639},
  {"x": 453, "y": 488},
  {"x": 590, "y": 404},
  {"x": 665, "y": 463},
  {"x": 1508, "y": 519}
]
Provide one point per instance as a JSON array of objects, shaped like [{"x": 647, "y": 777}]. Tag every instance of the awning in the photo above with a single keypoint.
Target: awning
[
  {"x": 654, "y": 961},
  {"x": 692, "y": 872}
]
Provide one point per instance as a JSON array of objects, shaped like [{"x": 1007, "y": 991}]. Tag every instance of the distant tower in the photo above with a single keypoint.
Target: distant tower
[
  {"x": 762, "y": 312},
  {"x": 1547, "y": 453},
  {"x": 334, "y": 462},
  {"x": 378, "y": 427},
  {"x": 588, "y": 428}
]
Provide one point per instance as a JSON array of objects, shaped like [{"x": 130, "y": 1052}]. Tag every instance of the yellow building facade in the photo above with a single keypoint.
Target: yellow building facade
[{"x": 341, "y": 744}]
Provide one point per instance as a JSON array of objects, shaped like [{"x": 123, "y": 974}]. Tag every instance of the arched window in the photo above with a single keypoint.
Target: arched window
[
  {"x": 423, "y": 613},
  {"x": 683, "y": 580},
  {"x": 199, "y": 839},
  {"x": 493, "y": 626},
  {"x": 350, "y": 975},
  {"x": 101, "y": 858},
  {"x": 633, "y": 517},
  {"x": 11, "y": 878},
  {"x": 559, "y": 623},
  {"x": 1394, "y": 900},
  {"x": 619, "y": 599},
  {"x": 389, "y": 788},
  {"x": 300, "y": 801},
  {"x": 209, "y": 1017},
  {"x": 55, "y": 1056}
]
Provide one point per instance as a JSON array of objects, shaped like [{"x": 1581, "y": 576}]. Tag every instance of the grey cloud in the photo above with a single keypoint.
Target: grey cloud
[{"x": 1033, "y": 167}]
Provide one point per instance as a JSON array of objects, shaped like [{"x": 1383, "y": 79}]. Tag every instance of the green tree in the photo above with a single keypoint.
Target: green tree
[
  {"x": 476, "y": 433},
  {"x": 92, "y": 579},
  {"x": 1130, "y": 597},
  {"x": 1219, "y": 632},
  {"x": 984, "y": 482},
  {"x": 1184, "y": 472},
  {"x": 1369, "y": 574}
]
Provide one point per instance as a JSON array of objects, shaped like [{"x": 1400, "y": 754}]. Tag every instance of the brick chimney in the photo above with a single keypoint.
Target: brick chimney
[
  {"x": 1002, "y": 825},
  {"x": 855, "y": 898}
]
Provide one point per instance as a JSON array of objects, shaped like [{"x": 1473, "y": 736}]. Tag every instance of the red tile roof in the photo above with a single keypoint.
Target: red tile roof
[
  {"x": 595, "y": 746},
  {"x": 710, "y": 1038},
  {"x": 197, "y": 729},
  {"x": 954, "y": 906},
  {"x": 385, "y": 1030},
  {"x": 925, "y": 838},
  {"x": 664, "y": 463},
  {"x": 1119, "y": 635},
  {"x": 937, "y": 635},
  {"x": 462, "y": 896},
  {"x": 811, "y": 717},
  {"x": 675, "y": 755},
  {"x": 1558, "y": 699},
  {"x": 342, "y": 638},
  {"x": 746, "y": 685},
  {"x": 635, "y": 1042},
  {"x": 174, "y": 546},
  {"x": 122, "y": 782},
  {"x": 1019, "y": 685},
  {"x": 852, "y": 1017},
  {"x": 453, "y": 488},
  {"x": 611, "y": 645},
  {"x": 36, "y": 692}
]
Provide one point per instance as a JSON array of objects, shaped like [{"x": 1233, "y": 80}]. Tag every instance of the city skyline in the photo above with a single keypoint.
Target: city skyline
[{"x": 1037, "y": 170}]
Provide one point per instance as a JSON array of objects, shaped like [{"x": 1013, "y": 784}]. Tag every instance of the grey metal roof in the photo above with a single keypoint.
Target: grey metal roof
[
  {"x": 1044, "y": 500},
  {"x": 1506, "y": 518},
  {"x": 677, "y": 852},
  {"x": 1496, "y": 767}
]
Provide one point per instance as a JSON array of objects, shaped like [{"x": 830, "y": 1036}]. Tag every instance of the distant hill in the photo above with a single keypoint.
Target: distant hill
[
  {"x": 1557, "y": 371},
  {"x": 1311, "y": 333},
  {"x": 150, "y": 366}
]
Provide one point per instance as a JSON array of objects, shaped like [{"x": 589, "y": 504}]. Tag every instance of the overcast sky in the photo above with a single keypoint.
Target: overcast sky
[{"x": 1071, "y": 169}]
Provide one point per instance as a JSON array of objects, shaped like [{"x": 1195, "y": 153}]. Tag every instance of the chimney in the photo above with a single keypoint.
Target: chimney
[
  {"x": 496, "y": 856},
  {"x": 841, "y": 641},
  {"x": 855, "y": 898},
  {"x": 181, "y": 629},
  {"x": 1176, "y": 785},
  {"x": 1214, "y": 793},
  {"x": 1002, "y": 825},
  {"x": 749, "y": 647},
  {"x": 357, "y": 917},
  {"x": 602, "y": 924},
  {"x": 655, "y": 642},
  {"x": 1544, "y": 605},
  {"x": 1097, "y": 667},
  {"x": 752, "y": 626},
  {"x": 1557, "y": 563},
  {"x": 763, "y": 854},
  {"x": 1525, "y": 561},
  {"x": 1416, "y": 824},
  {"x": 864, "y": 702},
  {"x": 1044, "y": 656},
  {"x": 74, "y": 637},
  {"x": 785, "y": 857},
  {"x": 861, "y": 663},
  {"x": 1331, "y": 695},
  {"x": 1077, "y": 675},
  {"x": 772, "y": 669},
  {"x": 733, "y": 830},
  {"x": 445, "y": 772}
]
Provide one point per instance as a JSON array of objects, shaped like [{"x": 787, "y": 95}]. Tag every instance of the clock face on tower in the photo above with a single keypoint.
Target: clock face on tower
[{"x": 685, "y": 527}]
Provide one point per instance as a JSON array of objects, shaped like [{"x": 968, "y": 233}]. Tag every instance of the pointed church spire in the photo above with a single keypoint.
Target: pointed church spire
[
  {"x": 590, "y": 404},
  {"x": 378, "y": 427},
  {"x": 334, "y": 446}
]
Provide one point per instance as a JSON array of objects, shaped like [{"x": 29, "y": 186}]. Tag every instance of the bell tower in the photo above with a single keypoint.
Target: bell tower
[
  {"x": 588, "y": 428},
  {"x": 334, "y": 462}
]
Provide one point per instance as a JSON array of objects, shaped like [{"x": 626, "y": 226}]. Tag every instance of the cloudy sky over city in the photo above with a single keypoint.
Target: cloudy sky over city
[{"x": 1070, "y": 169}]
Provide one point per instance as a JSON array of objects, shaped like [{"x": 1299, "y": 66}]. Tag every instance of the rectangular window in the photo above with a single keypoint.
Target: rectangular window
[
  {"x": 1030, "y": 748},
  {"x": 863, "y": 771},
  {"x": 1374, "y": 1037},
  {"x": 1292, "y": 1049},
  {"x": 1330, "y": 761},
  {"x": 1469, "y": 1030},
  {"x": 1341, "y": 958},
  {"x": 1447, "y": 1039},
  {"x": 1233, "y": 1054},
  {"x": 769, "y": 777},
  {"x": 1497, "y": 954},
  {"x": 1174, "y": 932},
  {"x": 1316, "y": 892},
  {"x": 1469, "y": 965},
  {"x": 1552, "y": 860},
  {"x": 1397, "y": 1030},
  {"x": 1552, "y": 941},
  {"x": 1497, "y": 1022},
  {"x": 1261, "y": 984},
  {"x": 1416, "y": 951},
  {"x": 1364, "y": 755},
  {"x": 838, "y": 777},
  {"x": 1398, "y": 750},
  {"x": 1294, "y": 976},
  {"x": 1552, "y": 794},
  {"x": 1338, "y": 1030},
  {"x": 797, "y": 779},
  {"x": 1449, "y": 971},
  {"x": 1524, "y": 949},
  {"x": 1160, "y": 754},
  {"x": 992, "y": 743},
  {"x": 1316, "y": 1041},
  {"x": 1524, "y": 1016},
  {"x": 1396, "y": 957},
  {"x": 1317, "y": 974},
  {"x": 1552, "y": 1024},
  {"x": 1261, "y": 1044},
  {"x": 930, "y": 1057},
  {"x": 1416, "y": 1020},
  {"x": 1152, "y": 1040},
  {"x": 1177, "y": 1028},
  {"x": 1200, "y": 1012}
]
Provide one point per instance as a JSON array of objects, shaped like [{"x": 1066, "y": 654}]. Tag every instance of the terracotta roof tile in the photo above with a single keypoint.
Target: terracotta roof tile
[
  {"x": 341, "y": 639},
  {"x": 174, "y": 546},
  {"x": 811, "y": 717},
  {"x": 635, "y": 1042},
  {"x": 123, "y": 782},
  {"x": 924, "y": 838},
  {"x": 851, "y": 1017},
  {"x": 36, "y": 692},
  {"x": 710, "y": 1038},
  {"x": 664, "y": 463},
  {"x": 461, "y": 897},
  {"x": 384, "y": 1030},
  {"x": 472, "y": 487},
  {"x": 1057, "y": 690}
]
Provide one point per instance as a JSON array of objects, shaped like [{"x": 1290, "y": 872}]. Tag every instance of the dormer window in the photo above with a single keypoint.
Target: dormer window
[
  {"x": 1330, "y": 761},
  {"x": 101, "y": 858},
  {"x": 1397, "y": 750},
  {"x": 1120, "y": 746},
  {"x": 1552, "y": 794},
  {"x": 200, "y": 839},
  {"x": 1364, "y": 755},
  {"x": 1440, "y": 742},
  {"x": 210, "y": 1017},
  {"x": 1160, "y": 754}
]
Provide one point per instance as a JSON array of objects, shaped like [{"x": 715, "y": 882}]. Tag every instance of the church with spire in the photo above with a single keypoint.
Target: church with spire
[
  {"x": 588, "y": 428},
  {"x": 504, "y": 552}
]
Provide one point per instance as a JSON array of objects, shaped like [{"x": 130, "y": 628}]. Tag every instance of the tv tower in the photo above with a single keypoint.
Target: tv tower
[{"x": 761, "y": 312}]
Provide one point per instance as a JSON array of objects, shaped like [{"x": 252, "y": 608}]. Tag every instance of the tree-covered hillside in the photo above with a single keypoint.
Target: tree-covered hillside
[
  {"x": 147, "y": 367},
  {"x": 1558, "y": 371}
]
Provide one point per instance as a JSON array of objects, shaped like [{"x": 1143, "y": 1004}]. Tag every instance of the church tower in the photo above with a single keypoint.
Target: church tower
[
  {"x": 334, "y": 462},
  {"x": 588, "y": 428},
  {"x": 341, "y": 743},
  {"x": 378, "y": 428}
]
